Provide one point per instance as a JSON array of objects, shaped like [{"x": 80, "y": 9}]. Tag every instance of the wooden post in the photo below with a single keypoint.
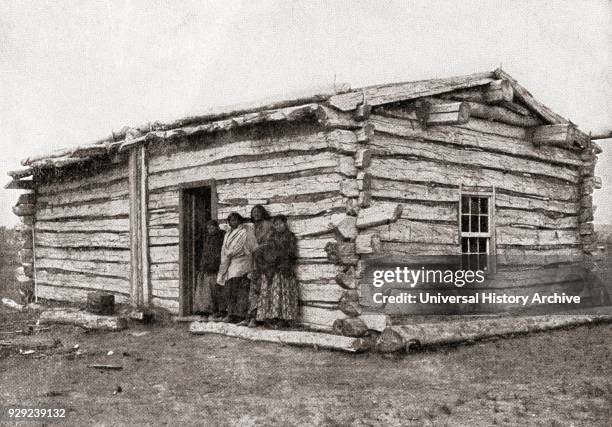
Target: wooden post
[
  {"x": 139, "y": 233},
  {"x": 144, "y": 227},
  {"x": 134, "y": 190}
]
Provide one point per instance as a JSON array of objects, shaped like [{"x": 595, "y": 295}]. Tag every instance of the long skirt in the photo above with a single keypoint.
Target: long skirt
[
  {"x": 203, "y": 295},
  {"x": 208, "y": 296},
  {"x": 279, "y": 297},
  {"x": 256, "y": 280},
  {"x": 237, "y": 292}
]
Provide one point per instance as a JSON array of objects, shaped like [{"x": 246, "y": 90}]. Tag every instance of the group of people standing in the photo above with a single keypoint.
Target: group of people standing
[{"x": 247, "y": 274}]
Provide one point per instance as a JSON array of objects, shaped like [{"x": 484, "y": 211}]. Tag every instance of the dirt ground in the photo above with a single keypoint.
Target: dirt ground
[{"x": 170, "y": 377}]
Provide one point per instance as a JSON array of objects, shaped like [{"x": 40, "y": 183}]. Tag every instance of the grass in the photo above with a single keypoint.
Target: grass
[{"x": 170, "y": 377}]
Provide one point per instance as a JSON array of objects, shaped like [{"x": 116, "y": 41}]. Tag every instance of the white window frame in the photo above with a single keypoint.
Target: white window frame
[{"x": 481, "y": 192}]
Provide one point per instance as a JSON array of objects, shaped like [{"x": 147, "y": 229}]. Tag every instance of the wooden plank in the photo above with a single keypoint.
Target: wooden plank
[
  {"x": 112, "y": 208},
  {"x": 105, "y": 190},
  {"x": 443, "y": 113},
  {"x": 388, "y": 145},
  {"x": 522, "y": 236},
  {"x": 103, "y": 176},
  {"x": 380, "y": 213},
  {"x": 313, "y": 226},
  {"x": 531, "y": 218},
  {"x": 419, "y": 249},
  {"x": 430, "y": 212},
  {"x": 404, "y": 230},
  {"x": 83, "y": 254},
  {"x": 273, "y": 166},
  {"x": 160, "y": 254},
  {"x": 492, "y": 137},
  {"x": 78, "y": 240},
  {"x": 230, "y": 192},
  {"x": 501, "y": 114},
  {"x": 537, "y": 255},
  {"x": 320, "y": 292},
  {"x": 268, "y": 188},
  {"x": 498, "y": 91},
  {"x": 83, "y": 281},
  {"x": 97, "y": 268},
  {"x": 84, "y": 319},
  {"x": 164, "y": 217},
  {"x": 61, "y": 293},
  {"x": 560, "y": 135},
  {"x": 412, "y": 191},
  {"x": 378, "y": 95},
  {"x": 166, "y": 270},
  {"x": 497, "y": 129},
  {"x": 532, "y": 204},
  {"x": 163, "y": 236},
  {"x": 165, "y": 199},
  {"x": 317, "y": 272},
  {"x": 164, "y": 292},
  {"x": 107, "y": 225},
  {"x": 304, "y": 208},
  {"x": 446, "y": 174},
  {"x": 444, "y": 333},
  {"x": 295, "y": 338},
  {"x": 314, "y": 247},
  {"x": 176, "y": 158}
]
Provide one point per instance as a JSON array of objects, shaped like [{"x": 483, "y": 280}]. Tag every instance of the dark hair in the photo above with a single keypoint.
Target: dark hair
[
  {"x": 281, "y": 217},
  {"x": 212, "y": 222},
  {"x": 264, "y": 212},
  {"x": 235, "y": 215}
]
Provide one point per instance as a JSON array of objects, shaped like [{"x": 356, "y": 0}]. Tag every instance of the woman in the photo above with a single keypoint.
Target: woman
[
  {"x": 208, "y": 296},
  {"x": 261, "y": 270},
  {"x": 235, "y": 268},
  {"x": 278, "y": 301}
]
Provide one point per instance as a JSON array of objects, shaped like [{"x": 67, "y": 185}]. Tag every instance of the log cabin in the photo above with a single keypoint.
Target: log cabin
[{"x": 463, "y": 165}]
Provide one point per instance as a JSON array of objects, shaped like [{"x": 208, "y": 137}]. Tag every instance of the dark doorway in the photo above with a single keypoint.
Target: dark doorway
[{"x": 197, "y": 206}]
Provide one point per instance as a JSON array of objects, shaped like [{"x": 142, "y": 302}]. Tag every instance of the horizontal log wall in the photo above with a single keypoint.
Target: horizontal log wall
[
  {"x": 537, "y": 190},
  {"x": 82, "y": 235},
  {"x": 300, "y": 171}
]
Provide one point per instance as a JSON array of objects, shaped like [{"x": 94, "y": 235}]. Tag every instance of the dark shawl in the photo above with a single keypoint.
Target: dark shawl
[
  {"x": 211, "y": 254},
  {"x": 283, "y": 248}
]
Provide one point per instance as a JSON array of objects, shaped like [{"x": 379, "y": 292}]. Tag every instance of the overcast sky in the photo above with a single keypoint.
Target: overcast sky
[{"x": 70, "y": 72}]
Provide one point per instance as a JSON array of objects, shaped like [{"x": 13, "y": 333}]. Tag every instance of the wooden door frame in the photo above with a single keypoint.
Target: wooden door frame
[{"x": 183, "y": 211}]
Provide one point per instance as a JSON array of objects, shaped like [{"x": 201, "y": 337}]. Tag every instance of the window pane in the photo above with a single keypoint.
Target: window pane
[
  {"x": 484, "y": 206},
  {"x": 475, "y": 205},
  {"x": 473, "y": 246},
  {"x": 465, "y": 223},
  {"x": 474, "y": 223},
  {"x": 465, "y": 204},
  {"x": 482, "y": 245},
  {"x": 464, "y": 244},
  {"x": 484, "y": 224}
]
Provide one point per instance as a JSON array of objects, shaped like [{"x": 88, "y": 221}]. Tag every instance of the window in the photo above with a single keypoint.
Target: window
[{"x": 475, "y": 226}]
